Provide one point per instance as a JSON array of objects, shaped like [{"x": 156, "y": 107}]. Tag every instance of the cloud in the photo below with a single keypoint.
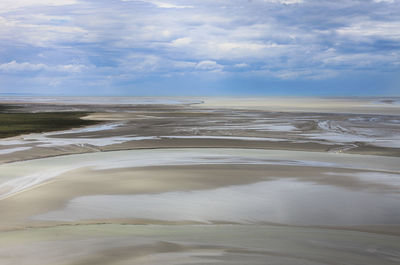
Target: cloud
[
  {"x": 9, "y": 5},
  {"x": 371, "y": 29},
  {"x": 140, "y": 63},
  {"x": 286, "y": 2},
  {"x": 14, "y": 66},
  {"x": 387, "y": 1},
  {"x": 40, "y": 30},
  {"x": 241, "y": 65},
  {"x": 168, "y": 5},
  {"x": 209, "y": 66},
  {"x": 162, "y": 4},
  {"x": 181, "y": 42},
  {"x": 112, "y": 42}
]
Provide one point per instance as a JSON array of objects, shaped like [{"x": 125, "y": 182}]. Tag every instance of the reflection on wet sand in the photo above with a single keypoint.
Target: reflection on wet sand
[{"x": 276, "y": 201}]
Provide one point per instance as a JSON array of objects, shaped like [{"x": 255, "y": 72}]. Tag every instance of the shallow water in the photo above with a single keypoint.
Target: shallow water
[
  {"x": 281, "y": 201},
  {"x": 18, "y": 176}
]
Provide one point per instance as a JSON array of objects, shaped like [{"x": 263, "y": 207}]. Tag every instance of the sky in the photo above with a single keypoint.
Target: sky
[{"x": 200, "y": 47}]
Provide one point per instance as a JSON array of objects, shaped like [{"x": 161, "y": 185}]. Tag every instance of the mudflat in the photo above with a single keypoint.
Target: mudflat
[{"x": 204, "y": 181}]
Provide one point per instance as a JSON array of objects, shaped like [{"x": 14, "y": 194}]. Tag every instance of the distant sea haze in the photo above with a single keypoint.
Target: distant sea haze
[{"x": 100, "y": 100}]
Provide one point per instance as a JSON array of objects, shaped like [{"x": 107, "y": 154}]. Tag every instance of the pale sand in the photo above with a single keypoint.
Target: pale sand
[
  {"x": 195, "y": 244},
  {"x": 305, "y": 104}
]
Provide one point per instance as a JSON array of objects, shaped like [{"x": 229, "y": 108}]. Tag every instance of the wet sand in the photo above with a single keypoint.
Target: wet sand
[
  {"x": 196, "y": 244},
  {"x": 212, "y": 183}
]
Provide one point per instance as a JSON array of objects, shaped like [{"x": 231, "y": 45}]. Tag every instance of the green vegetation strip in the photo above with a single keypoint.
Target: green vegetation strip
[{"x": 12, "y": 124}]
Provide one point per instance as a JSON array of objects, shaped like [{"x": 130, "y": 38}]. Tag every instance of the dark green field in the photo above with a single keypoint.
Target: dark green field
[{"x": 12, "y": 124}]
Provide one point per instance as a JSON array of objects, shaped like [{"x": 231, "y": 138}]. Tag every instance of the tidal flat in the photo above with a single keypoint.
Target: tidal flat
[{"x": 201, "y": 181}]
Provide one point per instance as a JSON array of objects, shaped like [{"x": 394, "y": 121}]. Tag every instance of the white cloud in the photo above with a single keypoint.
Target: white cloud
[
  {"x": 370, "y": 28},
  {"x": 209, "y": 66},
  {"x": 184, "y": 64},
  {"x": 239, "y": 49},
  {"x": 219, "y": 49},
  {"x": 357, "y": 60},
  {"x": 5, "y": 23},
  {"x": 71, "y": 68},
  {"x": 286, "y": 2},
  {"x": 162, "y": 4},
  {"x": 14, "y": 66},
  {"x": 169, "y": 5},
  {"x": 181, "y": 42},
  {"x": 241, "y": 65},
  {"x": 387, "y": 1},
  {"x": 8, "y": 5},
  {"x": 298, "y": 73},
  {"x": 46, "y": 18},
  {"x": 39, "y": 34}
]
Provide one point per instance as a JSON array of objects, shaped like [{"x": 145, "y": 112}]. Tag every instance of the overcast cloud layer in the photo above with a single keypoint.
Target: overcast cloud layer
[{"x": 171, "y": 47}]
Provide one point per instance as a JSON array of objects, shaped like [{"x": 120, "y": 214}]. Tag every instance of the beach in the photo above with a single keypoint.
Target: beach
[{"x": 204, "y": 181}]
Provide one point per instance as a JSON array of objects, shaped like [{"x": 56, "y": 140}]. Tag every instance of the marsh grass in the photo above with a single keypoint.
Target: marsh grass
[{"x": 12, "y": 124}]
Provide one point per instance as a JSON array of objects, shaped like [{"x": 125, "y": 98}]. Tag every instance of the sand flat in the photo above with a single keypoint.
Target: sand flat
[
  {"x": 289, "y": 181},
  {"x": 222, "y": 177},
  {"x": 132, "y": 244}
]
